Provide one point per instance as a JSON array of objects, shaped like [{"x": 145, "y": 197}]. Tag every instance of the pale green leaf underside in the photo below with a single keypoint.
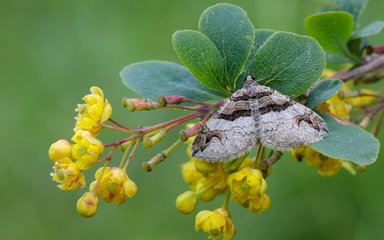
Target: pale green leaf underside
[
  {"x": 151, "y": 79},
  {"x": 371, "y": 29},
  {"x": 348, "y": 142},
  {"x": 322, "y": 91}
]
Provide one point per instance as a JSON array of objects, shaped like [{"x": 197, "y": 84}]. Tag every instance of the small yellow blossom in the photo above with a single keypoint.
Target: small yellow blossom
[
  {"x": 93, "y": 112},
  {"x": 60, "y": 149},
  {"x": 67, "y": 174},
  {"x": 312, "y": 156},
  {"x": 246, "y": 184},
  {"x": 113, "y": 185},
  {"x": 86, "y": 149},
  {"x": 298, "y": 153},
  {"x": 204, "y": 166},
  {"x": 259, "y": 204},
  {"x": 360, "y": 101},
  {"x": 186, "y": 202},
  {"x": 212, "y": 184},
  {"x": 217, "y": 224},
  {"x": 326, "y": 166},
  {"x": 190, "y": 174},
  {"x": 87, "y": 205},
  {"x": 336, "y": 106},
  {"x": 329, "y": 166}
]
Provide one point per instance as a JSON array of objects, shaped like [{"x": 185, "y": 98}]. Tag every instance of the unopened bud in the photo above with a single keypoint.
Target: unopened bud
[
  {"x": 186, "y": 202},
  {"x": 205, "y": 193},
  {"x": 204, "y": 167},
  {"x": 87, "y": 205},
  {"x": 60, "y": 149}
]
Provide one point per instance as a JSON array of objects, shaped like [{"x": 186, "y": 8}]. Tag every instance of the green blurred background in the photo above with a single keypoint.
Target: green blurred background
[{"x": 51, "y": 52}]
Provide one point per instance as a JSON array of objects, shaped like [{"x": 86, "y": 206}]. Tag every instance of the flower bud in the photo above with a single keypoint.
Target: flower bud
[
  {"x": 87, "y": 205},
  {"x": 204, "y": 166},
  {"x": 186, "y": 202},
  {"x": 60, "y": 149}
]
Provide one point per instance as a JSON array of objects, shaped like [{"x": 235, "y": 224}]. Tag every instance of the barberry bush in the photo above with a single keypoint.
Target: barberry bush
[{"x": 331, "y": 70}]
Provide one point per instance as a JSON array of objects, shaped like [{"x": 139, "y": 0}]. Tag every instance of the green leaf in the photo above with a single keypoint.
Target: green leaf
[
  {"x": 230, "y": 29},
  {"x": 354, "y": 7},
  {"x": 371, "y": 29},
  {"x": 332, "y": 30},
  {"x": 261, "y": 35},
  {"x": 357, "y": 46},
  {"x": 322, "y": 91},
  {"x": 288, "y": 62},
  {"x": 202, "y": 58},
  {"x": 151, "y": 79},
  {"x": 348, "y": 142}
]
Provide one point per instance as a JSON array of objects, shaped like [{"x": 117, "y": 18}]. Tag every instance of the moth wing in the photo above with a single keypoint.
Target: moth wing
[
  {"x": 229, "y": 134},
  {"x": 285, "y": 124}
]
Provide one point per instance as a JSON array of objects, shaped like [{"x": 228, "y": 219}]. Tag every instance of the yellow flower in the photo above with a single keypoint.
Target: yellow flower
[
  {"x": 298, "y": 153},
  {"x": 93, "y": 112},
  {"x": 259, "y": 204},
  {"x": 336, "y": 106},
  {"x": 360, "y": 101},
  {"x": 87, "y": 205},
  {"x": 113, "y": 185},
  {"x": 86, "y": 149},
  {"x": 67, "y": 174},
  {"x": 190, "y": 174},
  {"x": 312, "y": 156},
  {"x": 204, "y": 167},
  {"x": 246, "y": 184},
  {"x": 329, "y": 166},
  {"x": 186, "y": 202},
  {"x": 326, "y": 166},
  {"x": 60, "y": 149},
  {"x": 217, "y": 224},
  {"x": 214, "y": 183}
]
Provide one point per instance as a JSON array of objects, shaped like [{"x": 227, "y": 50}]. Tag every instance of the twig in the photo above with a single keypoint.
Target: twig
[
  {"x": 360, "y": 71},
  {"x": 268, "y": 162}
]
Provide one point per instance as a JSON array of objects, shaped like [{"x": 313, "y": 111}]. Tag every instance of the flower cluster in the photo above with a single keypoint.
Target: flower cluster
[
  {"x": 241, "y": 182},
  {"x": 71, "y": 159}
]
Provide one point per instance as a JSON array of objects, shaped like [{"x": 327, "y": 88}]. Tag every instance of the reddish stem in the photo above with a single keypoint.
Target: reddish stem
[{"x": 119, "y": 125}]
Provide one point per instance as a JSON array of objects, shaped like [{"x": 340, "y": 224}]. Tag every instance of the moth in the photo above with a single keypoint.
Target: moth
[{"x": 257, "y": 113}]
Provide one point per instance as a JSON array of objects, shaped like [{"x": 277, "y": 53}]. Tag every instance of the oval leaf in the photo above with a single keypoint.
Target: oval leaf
[
  {"x": 371, "y": 29},
  {"x": 151, "y": 79},
  {"x": 288, "y": 62},
  {"x": 332, "y": 30},
  {"x": 230, "y": 29},
  {"x": 322, "y": 91},
  {"x": 201, "y": 56},
  {"x": 348, "y": 142}
]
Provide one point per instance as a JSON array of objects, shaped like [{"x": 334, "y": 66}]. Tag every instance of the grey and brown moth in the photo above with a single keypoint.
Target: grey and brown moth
[{"x": 253, "y": 114}]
